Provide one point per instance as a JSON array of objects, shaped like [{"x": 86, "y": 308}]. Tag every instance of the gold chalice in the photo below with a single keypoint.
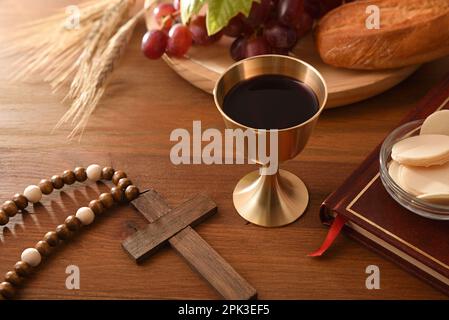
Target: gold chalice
[{"x": 276, "y": 199}]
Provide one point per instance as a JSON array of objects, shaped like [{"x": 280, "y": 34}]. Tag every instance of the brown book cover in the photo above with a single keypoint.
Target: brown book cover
[{"x": 419, "y": 245}]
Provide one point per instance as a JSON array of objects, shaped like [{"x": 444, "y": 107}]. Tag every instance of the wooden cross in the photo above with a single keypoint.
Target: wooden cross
[{"x": 174, "y": 226}]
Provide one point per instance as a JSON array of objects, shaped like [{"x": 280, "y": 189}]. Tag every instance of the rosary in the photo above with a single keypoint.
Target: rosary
[
  {"x": 123, "y": 191},
  {"x": 171, "y": 226}
]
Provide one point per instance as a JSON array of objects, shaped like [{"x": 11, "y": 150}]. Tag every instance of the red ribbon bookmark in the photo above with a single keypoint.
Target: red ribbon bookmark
[{"x": 334, "y": 231}]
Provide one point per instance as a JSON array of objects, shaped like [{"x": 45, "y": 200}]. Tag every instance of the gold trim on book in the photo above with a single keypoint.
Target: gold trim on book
[
  {"x": 399, "y": 253},
  {"x": 349, "y": 208}
]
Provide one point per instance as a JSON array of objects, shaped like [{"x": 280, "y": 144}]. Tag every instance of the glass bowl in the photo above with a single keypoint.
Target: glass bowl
[{"x": 405, "y": 199}]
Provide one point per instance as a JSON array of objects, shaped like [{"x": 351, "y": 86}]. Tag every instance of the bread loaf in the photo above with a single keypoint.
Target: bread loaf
[{"x": 411, "y": 32}]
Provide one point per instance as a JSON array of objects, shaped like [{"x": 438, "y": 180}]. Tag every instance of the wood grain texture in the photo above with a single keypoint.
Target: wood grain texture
[
  {"x": 198, "y": 253},
  {"x": 130, "y": 130},
  {"x": 204, "y": 66},
  {"x": 151, "y": 205},
  {"x": 146, "y": 241},
  {"x": 210, "y": 265}
]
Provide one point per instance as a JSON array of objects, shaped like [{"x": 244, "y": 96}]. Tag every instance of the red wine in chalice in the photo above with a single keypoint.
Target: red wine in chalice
[{"x": 270, "y": 102}]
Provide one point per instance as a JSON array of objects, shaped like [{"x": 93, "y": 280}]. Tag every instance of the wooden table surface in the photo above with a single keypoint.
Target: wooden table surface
[{"x": 130, "y": 130}]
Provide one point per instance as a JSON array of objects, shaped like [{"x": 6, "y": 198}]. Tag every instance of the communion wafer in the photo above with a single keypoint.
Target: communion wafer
[
  {"x": 436, "y": 198},
  {"x": 436, "y": 123},
  {"x": 423, "y": 150},
  {"x": 393, "y": 171},
  {"x": 422, "y": 180}
]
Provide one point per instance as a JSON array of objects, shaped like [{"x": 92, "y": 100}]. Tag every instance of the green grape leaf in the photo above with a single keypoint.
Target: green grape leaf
[
  {"x": 190, "y": 8},
  {"x": 221, "y": 11}
]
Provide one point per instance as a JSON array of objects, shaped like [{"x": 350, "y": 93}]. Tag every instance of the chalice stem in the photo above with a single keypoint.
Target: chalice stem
[{"x": 271, "y": 200}]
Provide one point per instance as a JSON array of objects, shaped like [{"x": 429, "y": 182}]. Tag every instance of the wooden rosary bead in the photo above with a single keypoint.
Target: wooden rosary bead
[
  {"x": 13, "y": 278},
  {"x": 46, "y": 186},
  {"x": 124, "y": 183},
  {"x": 73, "y": 223},
  {"x": 96, "y": 206},
  {"x": 43, "y": 247},
  {"x": 4, "y": 219},
  {"x": 33, "y": 193},
  {"x": 57, "y": 182},
  {"x": 31, "y": 256},
  {"x": 80, "y": 174},
  {"x": 107, "y": 173},
  {"x": 10, "y": 208},
  {"x": 119, "y": 174},
  {"x": 86, "y": 215},
  {"x": 22, "y": 268},
  {"x": 93, "y": 172},
  {"x": 51, "y": 238},
  {"x": 20, "y": 200},
  {"x": 68, "y": 177},
  {"x": 131, "y": 193},
  {"x": 63, "y": 232},
  {"x": 117, "y": 194},
  {"x": 7, "y": 290},
  {"x": 107, "y": 200}
]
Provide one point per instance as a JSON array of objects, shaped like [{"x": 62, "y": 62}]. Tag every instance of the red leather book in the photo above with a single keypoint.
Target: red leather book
[{"x": 417, "y": 244}]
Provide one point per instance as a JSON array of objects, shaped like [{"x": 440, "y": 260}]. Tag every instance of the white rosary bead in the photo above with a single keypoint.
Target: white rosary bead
[
  {"x": 93, "y": 172},
  {"x": 31, "y": 256},
  {"x": 33, "y": 193},
  {"x": 85, "y": 215}
]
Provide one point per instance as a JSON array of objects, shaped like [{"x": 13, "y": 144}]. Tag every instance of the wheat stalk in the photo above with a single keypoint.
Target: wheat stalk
[
  {"x": 100, "y": 33},
  {"x": 93, "y": 86},
  {"x": 46, "y": 39},
  {"x": 85, "y": 57}
]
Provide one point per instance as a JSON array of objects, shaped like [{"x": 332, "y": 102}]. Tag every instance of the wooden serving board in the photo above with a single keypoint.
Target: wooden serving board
[{"x": 204, "y": 64}]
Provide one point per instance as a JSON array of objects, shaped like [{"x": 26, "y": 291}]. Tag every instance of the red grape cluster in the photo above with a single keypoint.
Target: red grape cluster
[
  {"x": 174, "y": 38},
  {"x": 272, "y": 26}
]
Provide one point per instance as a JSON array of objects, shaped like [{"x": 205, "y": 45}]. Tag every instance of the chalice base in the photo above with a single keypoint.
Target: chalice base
[{"x": 271, "y": 200}]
